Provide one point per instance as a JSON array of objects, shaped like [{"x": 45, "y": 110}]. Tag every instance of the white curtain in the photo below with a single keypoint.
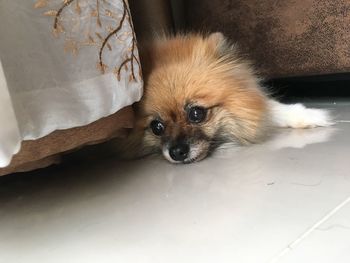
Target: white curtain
[{"x": 65, "y": 63}]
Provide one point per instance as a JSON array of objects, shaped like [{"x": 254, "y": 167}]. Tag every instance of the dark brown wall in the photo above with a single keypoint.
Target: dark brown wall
[{"x": 151, "y": 17}]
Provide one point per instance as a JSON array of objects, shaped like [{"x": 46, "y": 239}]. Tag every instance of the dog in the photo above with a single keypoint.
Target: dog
[{"x": 200, "y": 94}]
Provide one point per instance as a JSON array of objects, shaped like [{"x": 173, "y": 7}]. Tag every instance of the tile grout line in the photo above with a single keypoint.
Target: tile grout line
[
  {"x": 296, "y": 242},
  {"x": 342, "y": 121}
]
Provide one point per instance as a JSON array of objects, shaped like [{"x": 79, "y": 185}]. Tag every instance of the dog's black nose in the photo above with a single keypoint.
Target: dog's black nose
[{"x": 179, "y": 152}]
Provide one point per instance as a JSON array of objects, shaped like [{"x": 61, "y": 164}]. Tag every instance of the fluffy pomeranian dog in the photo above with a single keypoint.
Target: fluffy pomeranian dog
[{"x": 199, "y": 94}]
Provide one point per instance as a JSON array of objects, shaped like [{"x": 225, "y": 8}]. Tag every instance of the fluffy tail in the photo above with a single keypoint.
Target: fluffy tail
[{"x": 298, "y": 116}]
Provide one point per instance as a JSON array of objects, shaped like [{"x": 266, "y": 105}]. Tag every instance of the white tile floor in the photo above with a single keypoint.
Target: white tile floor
[{"x": 284, "y": 201}]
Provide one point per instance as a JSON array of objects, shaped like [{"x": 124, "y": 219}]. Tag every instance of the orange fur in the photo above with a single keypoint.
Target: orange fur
[{"x": 205, "y": 71}]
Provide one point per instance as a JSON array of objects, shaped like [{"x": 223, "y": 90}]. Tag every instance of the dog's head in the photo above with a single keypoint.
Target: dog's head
[{"x": 198, "y": 95}]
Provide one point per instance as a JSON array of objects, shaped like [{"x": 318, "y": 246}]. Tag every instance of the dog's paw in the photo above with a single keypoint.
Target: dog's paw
[{"x": 299, "y": 117}]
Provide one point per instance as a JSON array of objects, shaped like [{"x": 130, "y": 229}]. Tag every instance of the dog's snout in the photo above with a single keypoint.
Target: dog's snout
[{"x": 179, "y": 152}]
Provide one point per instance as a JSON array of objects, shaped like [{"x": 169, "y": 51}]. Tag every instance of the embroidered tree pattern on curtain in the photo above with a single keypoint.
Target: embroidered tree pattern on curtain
[{"x": 106, "y": 34}]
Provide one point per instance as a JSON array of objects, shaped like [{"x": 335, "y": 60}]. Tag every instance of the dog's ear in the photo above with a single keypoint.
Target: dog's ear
[
  {"x": 219, "y": 42},
  {"x": 217, "y": 38}
]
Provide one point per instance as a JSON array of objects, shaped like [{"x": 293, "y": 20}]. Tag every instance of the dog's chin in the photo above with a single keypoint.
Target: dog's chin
[{"x": 197, "y": 153}]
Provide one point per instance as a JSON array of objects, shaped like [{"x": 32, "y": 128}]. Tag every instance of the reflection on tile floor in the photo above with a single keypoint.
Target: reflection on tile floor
[{"x": 285, "y": 201}]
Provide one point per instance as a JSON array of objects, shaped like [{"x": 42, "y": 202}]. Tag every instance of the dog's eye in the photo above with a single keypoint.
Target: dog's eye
[
  {"x": 157, "y": 127},
  {"x": 196, "y": 114}
]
